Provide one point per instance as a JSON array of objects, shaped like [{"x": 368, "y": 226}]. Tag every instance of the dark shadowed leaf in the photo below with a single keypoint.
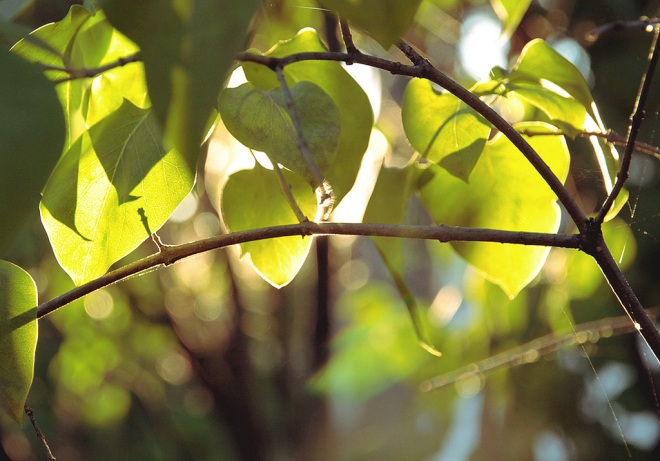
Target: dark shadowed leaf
[
  {"x": 261, "y": 121},
  {"x": 187, "y": 49},
  {"x": 356, "y": 114},
  {"x": 31, "y": 140}
]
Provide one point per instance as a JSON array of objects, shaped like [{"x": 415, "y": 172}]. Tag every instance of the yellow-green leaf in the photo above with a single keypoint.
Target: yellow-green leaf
[
  {"x": 115, "y": 186},
  {"x": 505, "y": 192},
  {"x": 18, "y": 337},
  {"x": 253, "y": 199},
  {"x": 443, "y": 129},
  {"x": 510, "y": 13}
]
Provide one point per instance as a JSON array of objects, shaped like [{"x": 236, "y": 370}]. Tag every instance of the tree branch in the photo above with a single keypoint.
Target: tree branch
[
  {"x": 531, "y": 351},
  {"x": 635, "y": 124},
  {"x": 75, "y": 74},
  {"x": 610, "y": 136},
  {"x": 170, "y": 254},
  {"x": 423, "y": 69}
]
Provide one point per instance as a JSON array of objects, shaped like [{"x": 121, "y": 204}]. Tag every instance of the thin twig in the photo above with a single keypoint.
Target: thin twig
[
  {"x": 30, "y": 414},
  {"x": 79, "y": 73},
  {"x": 300, "y": 138},
  {"x": 530, "y": 352},
  {"x": 324, "y": 192},
  {"x": 643, "y": 23},
  {"x": 635, "y": 124},
  {"x": 441, "y": 233},
  {"x": 610, "y": 136},
  {"x": 288, "y": 194},
  {"x": 347, "y": 36}
]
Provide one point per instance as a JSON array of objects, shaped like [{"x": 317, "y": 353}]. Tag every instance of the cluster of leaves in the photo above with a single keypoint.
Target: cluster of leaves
[{"x": 123, "y": 100}]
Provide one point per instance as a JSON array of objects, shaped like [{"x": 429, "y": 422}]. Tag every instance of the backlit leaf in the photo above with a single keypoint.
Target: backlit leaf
[
  {"x": 252, "y": 199},
  {"x": 18, "y": 337},
  {"x": 443, "y": 129},
  {"x": 356, "y": 114},
  {"x": 187, "y": 49},
  {"x": 384, "y": 20},
  {"x": 539, "y": 63},
  {"x": 261, "y": 121},
  {"x": 510, "y": 13},
  {"x": 114, "y": 187},
  {"x": 505, "y": 192},
  {"x": 31, "y": 139},
  {"x": 85, "y": 39},
  {"x": 565, "y": 112}
]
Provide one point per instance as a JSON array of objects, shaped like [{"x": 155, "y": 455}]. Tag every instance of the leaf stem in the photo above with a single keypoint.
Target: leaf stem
[
  {"x": 175, "y": 253},
  {"x": 288, "y": 194}
]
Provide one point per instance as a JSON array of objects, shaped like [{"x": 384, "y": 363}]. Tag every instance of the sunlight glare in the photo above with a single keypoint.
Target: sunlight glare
[{"x": 480, "y": 48}]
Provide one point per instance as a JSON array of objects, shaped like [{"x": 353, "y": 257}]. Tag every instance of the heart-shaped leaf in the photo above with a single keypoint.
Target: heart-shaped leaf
[
  {"x": 443, "y": 129},
  {"x": 261, "y": 121},
  {"x": 114, "y": 187},
  {"x": 18, "y": 337},
  {"x": 356, "y": 114},
  {"x": 253, "y": 199},
  {"x": 505, "y": 192}
]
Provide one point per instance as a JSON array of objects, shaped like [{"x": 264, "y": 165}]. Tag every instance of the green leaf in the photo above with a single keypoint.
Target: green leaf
[
  {"x": 539, "y": 63},
  {"x": 355, "y": 110},
  {"x": 18, "y": 337},
  {"x": 85, "y": 39},
  {"x": 31, "y": 139},
  {"x": 384, "y": 20},
  {"x": 187, "y": 49},
  {"x": 253, "y": 199},
  {"x": 261, "y": 121},
  {"x": 566, "y": 113},
  {"x": 510, "y": 13},
  {"x": 388, "y": 206},
  {"x": 443, "y": 129},
  {"x": 505, "y": 192},
  {"x": 114, "y": 187}
]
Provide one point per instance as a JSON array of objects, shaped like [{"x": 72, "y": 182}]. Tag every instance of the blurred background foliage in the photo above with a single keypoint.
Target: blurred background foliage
[{"x": 204, "y": 360}]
